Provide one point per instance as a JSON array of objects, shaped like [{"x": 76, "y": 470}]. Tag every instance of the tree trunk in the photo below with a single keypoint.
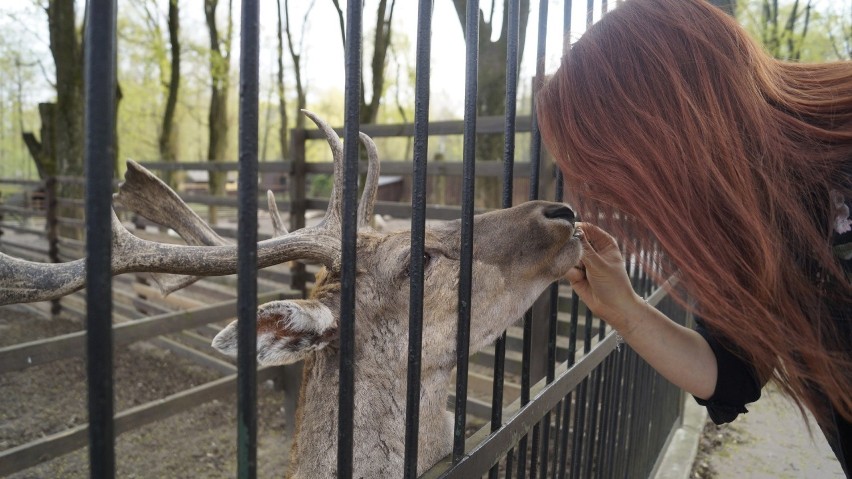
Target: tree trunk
[
  {"x": 220, "y": 52},
  {"x": 296, "y": 55},
  {"x": 381, "y": 43},
  {"x": 384, "y": 18},
  {"x": 167, "y": 143},
  {"x": 68, "y": 58},
  {"x": 282, "y": 103},
  {"x": 491, "y": 98},
  {"x": 784, "y": 42},
  {"x": 43, "y": 152}
]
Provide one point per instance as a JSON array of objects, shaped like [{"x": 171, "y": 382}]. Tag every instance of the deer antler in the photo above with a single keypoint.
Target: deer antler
[
  {"x": 371, "y": 183},
  {"x": 169, "y": 210},
  {"x": 25, "y": 281}
]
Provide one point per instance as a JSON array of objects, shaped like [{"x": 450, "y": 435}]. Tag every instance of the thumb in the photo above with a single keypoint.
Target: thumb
[{"x": 574, "y": 275}]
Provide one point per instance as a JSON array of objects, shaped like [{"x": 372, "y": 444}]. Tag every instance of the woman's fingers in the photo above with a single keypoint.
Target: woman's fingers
[
  {"x": 591, "y": 256},
  {"x": 599, "y": 239},
  {"x": 599, "y": 244},
  {"x": 575, "y": 274}
]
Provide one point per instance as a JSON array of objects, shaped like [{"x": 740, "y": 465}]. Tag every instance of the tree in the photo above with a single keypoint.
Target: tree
[
  {"x": 220, "y": 67},
  {"x": 166, "y": 141},
  {"x": 381, "y": 42},
  {"x": 168, "y": 64},
  {"x": 60, "y": 150},
  {"x": 782, "y": 37},
  {"x": 282, "y": 103},
  {"x": 378, "y": 65},
  {"x": 296, "y": 56},
  {"x": 838, "y": 27},
  {"x": 491, "y": 90},
  {"x": 797, "y": 31}
]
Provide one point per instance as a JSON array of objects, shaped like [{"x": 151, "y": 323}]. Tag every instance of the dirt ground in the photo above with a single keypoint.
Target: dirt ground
[
  {"x": 769, "y": 442},
  {"x": 50, "y": 398}
]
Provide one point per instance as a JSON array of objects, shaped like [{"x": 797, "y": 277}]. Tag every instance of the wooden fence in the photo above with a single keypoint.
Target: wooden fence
[{"x": 32, "y": 230}]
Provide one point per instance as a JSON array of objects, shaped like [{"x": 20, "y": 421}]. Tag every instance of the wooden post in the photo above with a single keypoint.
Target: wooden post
[
  {"x": 298, "y": 203},
  {"x": 52, "y": 231}
]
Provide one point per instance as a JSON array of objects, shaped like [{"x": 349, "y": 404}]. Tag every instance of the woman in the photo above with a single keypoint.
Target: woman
[{"x": 676, "y": 131}]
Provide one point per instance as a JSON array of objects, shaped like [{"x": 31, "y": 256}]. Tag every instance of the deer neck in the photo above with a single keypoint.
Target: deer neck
[{"x": 379, "y": 422}]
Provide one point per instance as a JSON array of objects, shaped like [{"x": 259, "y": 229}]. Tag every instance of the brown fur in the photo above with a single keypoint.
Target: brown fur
[{"x": 517, "y": 253}]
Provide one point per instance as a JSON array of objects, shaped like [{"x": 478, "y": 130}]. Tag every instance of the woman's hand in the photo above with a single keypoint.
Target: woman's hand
[
  {"x": 680, "y": 354},
  {"x": 601, "y": 280}
]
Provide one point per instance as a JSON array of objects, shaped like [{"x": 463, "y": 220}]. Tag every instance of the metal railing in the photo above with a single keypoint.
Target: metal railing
[{"x": 601, "y": 412}]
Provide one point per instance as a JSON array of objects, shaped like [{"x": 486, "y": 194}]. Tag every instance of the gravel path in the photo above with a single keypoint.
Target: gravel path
[{"x": 770, "y": 442}]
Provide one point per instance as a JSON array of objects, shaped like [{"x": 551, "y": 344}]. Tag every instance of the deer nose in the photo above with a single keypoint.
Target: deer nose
[{"x": 560, "y": 212}]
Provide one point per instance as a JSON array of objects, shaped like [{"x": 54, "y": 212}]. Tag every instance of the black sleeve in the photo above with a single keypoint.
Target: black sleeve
[{"x": 737, "y": 383}]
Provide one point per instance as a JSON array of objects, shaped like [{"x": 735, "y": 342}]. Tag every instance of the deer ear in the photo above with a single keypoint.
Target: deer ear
[{"x": 286, "y": 331}]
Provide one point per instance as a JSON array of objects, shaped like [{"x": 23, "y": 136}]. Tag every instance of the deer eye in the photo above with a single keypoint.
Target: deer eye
[{"x": 427, "y": 259}]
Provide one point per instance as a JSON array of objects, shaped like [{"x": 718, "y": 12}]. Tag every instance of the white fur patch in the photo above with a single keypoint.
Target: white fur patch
[{"x": 226, "y": 341}]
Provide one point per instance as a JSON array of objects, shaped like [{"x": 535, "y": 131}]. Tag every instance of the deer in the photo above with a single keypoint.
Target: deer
[{"x": 517, "y": 253}]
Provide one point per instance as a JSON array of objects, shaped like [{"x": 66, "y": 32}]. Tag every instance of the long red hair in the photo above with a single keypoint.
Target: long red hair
[{"x": 666, "y": 112}]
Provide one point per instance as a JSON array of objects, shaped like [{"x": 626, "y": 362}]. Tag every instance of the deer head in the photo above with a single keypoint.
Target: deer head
[{"x": 517, "y": 253}]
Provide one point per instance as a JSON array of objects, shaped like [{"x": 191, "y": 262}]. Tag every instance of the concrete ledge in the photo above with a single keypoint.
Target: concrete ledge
[{"x": 680, "y": 455}]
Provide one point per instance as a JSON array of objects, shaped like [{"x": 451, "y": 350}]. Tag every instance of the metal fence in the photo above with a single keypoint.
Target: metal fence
[{"x": 598, "y": 412}]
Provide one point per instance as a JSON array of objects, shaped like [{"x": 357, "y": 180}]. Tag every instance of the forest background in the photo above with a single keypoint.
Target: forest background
[{"x": 178, "y": 72}]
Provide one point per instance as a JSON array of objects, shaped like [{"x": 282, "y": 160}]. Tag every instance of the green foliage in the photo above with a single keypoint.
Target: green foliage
[{"x": 795, "y": 30}]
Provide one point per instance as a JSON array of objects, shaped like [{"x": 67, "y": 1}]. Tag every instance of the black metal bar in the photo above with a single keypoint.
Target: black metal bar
[
  {"x": 615, "y": 413},
  {"x": 466, "y": 249},
  {"x": 487, "y": 453},
  {"x": 619, "y": 452},
  {"x": 418, "y": 233},
  {"x": 535, "y": 140},
  {"x": 536, "y": 438},
  {"x": 512, "y": 36},
  {"x": 597, "y": 376},
  {"x": 590, "y": 13},
  {"x": 535, "y": 167},
  {"x": 563, "y": 441},
  {"x": 606, "y": 416},
  {"x": 551, "y": 355},
  {"x": 99, "y": 153},
  {"x": 551, "y": 369},
  {"x": 526, "y": 354},
  {"x": 579, "y": 428},
  {"x": 582, "y": 403},
  {"x": 633, "y": 428},
  {"x": 566, "y": 25},
  {"x": 247, "y": 242},
  {"x": 572, "y": 353},
  {"x": 349, "y": 230},
  {"x": 557, "y": 422}
]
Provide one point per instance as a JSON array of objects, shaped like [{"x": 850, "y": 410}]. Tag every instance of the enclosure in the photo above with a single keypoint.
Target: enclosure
[{"x": 555, "y": 396}]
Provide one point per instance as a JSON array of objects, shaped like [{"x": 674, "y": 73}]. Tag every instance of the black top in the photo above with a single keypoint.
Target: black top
[{"x": 737, "y": 383}]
